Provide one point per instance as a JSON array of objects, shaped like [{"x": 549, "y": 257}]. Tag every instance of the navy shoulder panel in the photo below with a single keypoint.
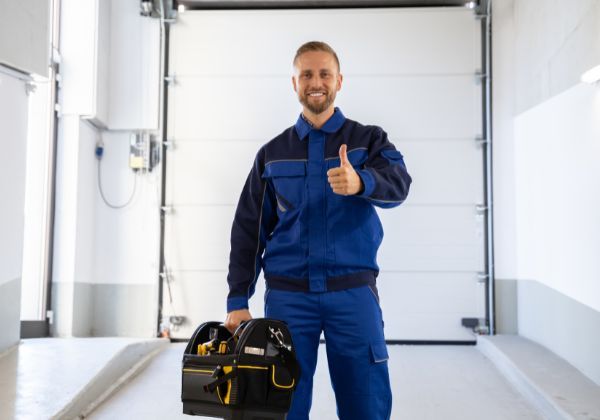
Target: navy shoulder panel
[
  {"x": 286, "y": 146},
  {"x": 354, "y": 135}
]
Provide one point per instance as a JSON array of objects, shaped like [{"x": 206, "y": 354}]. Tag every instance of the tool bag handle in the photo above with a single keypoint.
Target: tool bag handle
[{"x": 211, "y": 387}]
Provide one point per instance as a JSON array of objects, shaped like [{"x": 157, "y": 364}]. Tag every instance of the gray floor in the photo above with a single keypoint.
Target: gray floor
[
  {"x": 42, "y": 377},
  {"x": 556, "y": 388},
  {"x": 429, "y": 382}
]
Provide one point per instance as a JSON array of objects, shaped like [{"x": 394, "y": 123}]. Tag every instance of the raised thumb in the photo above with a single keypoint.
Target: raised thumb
[{"x": 344, "y": 156}]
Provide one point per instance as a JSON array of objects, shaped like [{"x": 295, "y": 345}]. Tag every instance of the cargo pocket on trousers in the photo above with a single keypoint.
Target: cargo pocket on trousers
[
  {"x": 379, "y": 352},
  {"x": 378, "y": 372}
]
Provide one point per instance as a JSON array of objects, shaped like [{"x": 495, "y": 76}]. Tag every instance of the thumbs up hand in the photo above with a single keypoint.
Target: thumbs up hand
[
  {"x": 344, "y": 180},
  {"x": 344, "y": 156}
]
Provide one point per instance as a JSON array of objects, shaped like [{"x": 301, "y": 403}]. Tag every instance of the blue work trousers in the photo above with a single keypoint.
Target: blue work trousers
[{"x": 356, "y": 351}]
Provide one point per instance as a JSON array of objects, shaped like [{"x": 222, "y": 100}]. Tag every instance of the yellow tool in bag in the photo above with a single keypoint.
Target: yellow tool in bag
[{"x": 253, "y": 370}]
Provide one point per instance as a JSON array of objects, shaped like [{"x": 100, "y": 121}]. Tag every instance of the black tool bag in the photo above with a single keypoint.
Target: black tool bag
[{"x": 253, "y": 369}]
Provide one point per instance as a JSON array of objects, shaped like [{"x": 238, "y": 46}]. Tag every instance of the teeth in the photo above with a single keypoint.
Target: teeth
[{"x": 316, "y": 94}]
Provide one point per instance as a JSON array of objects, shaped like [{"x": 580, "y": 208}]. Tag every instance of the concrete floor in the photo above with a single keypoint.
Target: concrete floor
[
  {"x": 556, "y": 388},
  {"x": 429, "y": 382},
  {"x": 55, "y": 378}
]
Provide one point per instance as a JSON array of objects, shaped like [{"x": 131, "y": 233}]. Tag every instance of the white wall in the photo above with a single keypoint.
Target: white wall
[
  {"x": 127, "y": 245},
  {"x": 74, "y": 224},
  {"x": 554, "y": 43},
  {"x": 39, "y": 147},
  {"x": 126, "y": 260},
  {"x": 539, "y": 50},
  {"x": 503, "y": 67},
  {"x": 106, "y": 260},
  {"x": 557, "y": 162},
  {"x": 13, "y": 139},
  {"x": 133, "y": 73},
  {"x": 546, "y": 154},
  {"x": 84, "y": 49},
  {"x": 25, "y": 35},
  {"x": 24, "y": 46},
  {"x": 557, "y": 150}
]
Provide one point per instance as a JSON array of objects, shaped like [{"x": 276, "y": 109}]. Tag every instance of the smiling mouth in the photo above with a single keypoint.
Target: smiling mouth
[{"x": 316, "y": 94}]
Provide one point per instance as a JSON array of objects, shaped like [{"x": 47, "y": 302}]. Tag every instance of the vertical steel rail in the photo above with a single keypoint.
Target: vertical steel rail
[
  {"x": 485, "y": 12},
  {"x": 51, "y": 185},
  {"x": 165, "y": 28}
]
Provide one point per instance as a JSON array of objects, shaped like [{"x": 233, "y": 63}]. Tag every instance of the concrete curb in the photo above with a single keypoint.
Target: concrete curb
[
  {"x": 9, "y": 350},
  {"x": 537, "y": 397},
  {"x": 121, "y": 368}
]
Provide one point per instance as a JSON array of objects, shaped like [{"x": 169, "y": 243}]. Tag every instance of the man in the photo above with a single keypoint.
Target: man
[{"x": 308, "y": 204}]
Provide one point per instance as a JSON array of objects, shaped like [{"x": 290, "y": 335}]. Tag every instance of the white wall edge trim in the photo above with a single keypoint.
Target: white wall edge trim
[{"x": 13, "y": 72}]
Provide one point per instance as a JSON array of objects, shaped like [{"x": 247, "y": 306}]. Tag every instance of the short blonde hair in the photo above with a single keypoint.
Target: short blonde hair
[{"x": 316, "y": 46}]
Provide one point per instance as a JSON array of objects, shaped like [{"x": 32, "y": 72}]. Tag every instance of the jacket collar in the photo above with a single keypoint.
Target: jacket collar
[{"x": 333, "y": 124}]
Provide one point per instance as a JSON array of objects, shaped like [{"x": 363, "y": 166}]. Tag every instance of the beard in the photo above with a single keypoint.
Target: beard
[{"x": 317, "y": 107}]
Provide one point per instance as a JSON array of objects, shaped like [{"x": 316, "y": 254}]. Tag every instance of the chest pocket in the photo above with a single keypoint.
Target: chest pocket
[
  {"x": 357, "y": 158},
  {"x": 289, "y": 180}
]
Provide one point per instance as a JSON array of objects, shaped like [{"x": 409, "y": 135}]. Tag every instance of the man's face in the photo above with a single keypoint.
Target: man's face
[{"x": 317, "y": 80}]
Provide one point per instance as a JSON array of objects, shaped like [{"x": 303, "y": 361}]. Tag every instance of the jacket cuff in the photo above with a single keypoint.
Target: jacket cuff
[
  {"x": 235, "y": 303},
  {"x": 368, "y": 182}
]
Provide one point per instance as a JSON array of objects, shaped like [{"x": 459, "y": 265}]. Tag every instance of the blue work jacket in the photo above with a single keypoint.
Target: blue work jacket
[{"x": 291, "y": 224}]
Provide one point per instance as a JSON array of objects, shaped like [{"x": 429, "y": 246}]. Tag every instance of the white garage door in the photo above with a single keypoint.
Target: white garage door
[{"x": 410, "y": 71}]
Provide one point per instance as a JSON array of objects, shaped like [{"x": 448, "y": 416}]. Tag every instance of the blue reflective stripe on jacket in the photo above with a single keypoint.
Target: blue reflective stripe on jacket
[{"x": 291, "y": 224}]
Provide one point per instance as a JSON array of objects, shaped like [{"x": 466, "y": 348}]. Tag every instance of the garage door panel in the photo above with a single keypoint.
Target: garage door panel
[
  {"x": 443, "y": 171},
  {"x": 431, "y": 238},
  {"x": 452, "y": 50},
  {"x": 411, "y": 71},
  {"x": 217, "y": 169},
  {"x": 414, "y": 107},
  {"x": 425, "y": 326},
  {"x": 215, "y": 108},
  {"x": 444, "y": 292},
  {"x": 428, "y": 257},
  {"x": 202, "y": 296},
  {"x": 410, "y": 313},
  {"x": 198, "y": 237},
  {"x": 407, "y": 107},
  {"x": 218, "y": 181}
]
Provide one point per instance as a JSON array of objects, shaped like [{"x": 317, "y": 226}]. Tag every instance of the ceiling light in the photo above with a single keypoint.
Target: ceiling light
[{"x": 592, "y": 75}]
